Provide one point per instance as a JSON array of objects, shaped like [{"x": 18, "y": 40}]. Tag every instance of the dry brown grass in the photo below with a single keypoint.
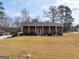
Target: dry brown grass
[{"x": 42, "y": 47}]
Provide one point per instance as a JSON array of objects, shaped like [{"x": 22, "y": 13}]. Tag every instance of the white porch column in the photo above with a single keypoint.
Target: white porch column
[
  {"x": 35, "y": 29},
  {"x": 49, "y": 29},
  {"x": 21, "y": 28},
  {"x": 28, "y": 29},
  {"x": 56, "y": 29},
  {"x": 62, "y": 29},
  {"x": 42, "y": 29}
]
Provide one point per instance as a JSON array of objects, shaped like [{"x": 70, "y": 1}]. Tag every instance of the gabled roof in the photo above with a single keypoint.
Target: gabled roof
[{"x": 41, "y": 24}]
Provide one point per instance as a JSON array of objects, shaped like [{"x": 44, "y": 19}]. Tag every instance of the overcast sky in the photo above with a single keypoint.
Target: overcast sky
[{"x": 35, "y": 7}]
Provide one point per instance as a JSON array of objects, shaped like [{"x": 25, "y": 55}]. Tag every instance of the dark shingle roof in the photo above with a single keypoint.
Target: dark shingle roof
[{"x": 41, "y": 24}]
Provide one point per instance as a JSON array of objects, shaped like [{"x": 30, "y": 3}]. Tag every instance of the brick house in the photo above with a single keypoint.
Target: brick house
[{"x": 42, "y": 28}]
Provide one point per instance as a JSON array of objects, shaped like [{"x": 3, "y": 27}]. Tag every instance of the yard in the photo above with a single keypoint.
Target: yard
[{"x": 41, "y": 47}]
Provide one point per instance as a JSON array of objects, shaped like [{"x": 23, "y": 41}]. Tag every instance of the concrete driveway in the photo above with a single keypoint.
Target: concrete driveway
[{"x": 5, "y": 36}]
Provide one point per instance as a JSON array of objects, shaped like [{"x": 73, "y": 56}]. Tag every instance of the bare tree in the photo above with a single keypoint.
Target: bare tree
[
  {"x": 7, "y": 21},
  {"x": 52, "y": 13},
  {"x": 25, "y": 15},
  {"x": 17, "y": 21}
]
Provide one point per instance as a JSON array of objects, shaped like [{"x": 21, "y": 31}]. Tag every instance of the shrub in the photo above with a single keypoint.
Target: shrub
[
  {"x": 25, "y": 33},
  {"x": 13, "y": 33},
  {"x": 20, "y": 33},
  {"x": 49, "y": 34},
  {"x": 32, "y": 33},
  {"x": 60, "y": 34}
]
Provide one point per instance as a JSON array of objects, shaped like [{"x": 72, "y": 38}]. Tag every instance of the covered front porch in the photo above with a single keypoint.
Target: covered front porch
[{"x": 42, "y": 30}]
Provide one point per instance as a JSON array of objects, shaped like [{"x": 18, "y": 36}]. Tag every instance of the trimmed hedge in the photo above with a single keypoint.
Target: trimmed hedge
[{"x": 31, "y": 33}]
